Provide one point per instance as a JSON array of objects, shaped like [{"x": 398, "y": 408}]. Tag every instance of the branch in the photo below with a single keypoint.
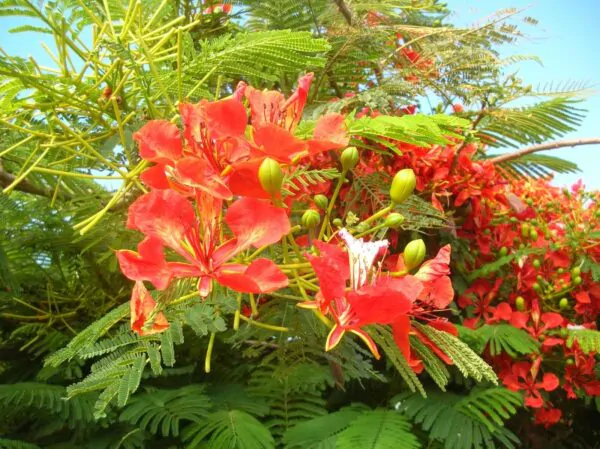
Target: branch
[
  {"x": 344, "y": 10},
  {"x": 545, "y": 146},
  {"x": 7, "y": 179}
]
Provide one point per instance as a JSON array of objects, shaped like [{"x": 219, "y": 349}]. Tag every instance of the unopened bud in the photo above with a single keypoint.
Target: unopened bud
[
  {"x": 321, "y": 201},
  {"x": 403, "y": 185},
  {"x": 337, "y": 222},
  {"x": 520, "y": 303},
  {"x": 414, "y": 253},
  {"x": 270, "y": 176},
  {"x": 349, "y": 158},
  {"x": 310, "y": 219},
  {"x": 394, "y": 220},
  {"x": 563, "y": 304}
]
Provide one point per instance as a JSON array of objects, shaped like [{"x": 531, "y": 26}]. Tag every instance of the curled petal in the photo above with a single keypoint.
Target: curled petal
[
  {"x": 368, "y": 341},
  {"x": 141, "y": 307},
  {"x": 335, "y": 336},
  {"x": 261, "y": 276},
  {"x": 148, "y": 264},
  {"x": 159, "y": 141},
  {"x": 438, "y": 293},
  {"x": 436, "y": 267},
  {"x": 330, "y": 134}
]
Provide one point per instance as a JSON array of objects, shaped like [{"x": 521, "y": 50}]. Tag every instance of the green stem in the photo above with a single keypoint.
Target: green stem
[
  {"x": 264, "y": 325},
  {"x": 379, "y": 214},
  {"x": 336, "y": 192},
  {"x": 211, "y": 344}
]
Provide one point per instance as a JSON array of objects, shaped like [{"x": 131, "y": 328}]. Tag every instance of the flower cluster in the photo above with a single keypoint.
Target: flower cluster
[{"x": 224, "y": 191}]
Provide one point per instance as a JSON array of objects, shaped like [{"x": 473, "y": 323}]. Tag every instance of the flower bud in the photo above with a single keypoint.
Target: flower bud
[
  {"x": 349, "y": 158},
  {"x": 394, "y": 220},
  {"x": 362, "y": 227},
  {"x": 337, "y": 222},
  {"x": 310, "y": 219},
  {"x": 321, "y": 201},
  {"x": 576, "y": 271},
  {"x": 525, "y": 230},
  {"x": 503, "y": 251},
  {"x": 414, "y": 253},
  {"x": 270, "y": 176},
  {"x": 533, "y": 235},
  {"x": 563, "y": 304},
  {"x": 520, "y": 303},
  {"x": 403, "y": 185},
  {"x": 577, "y": 280}
]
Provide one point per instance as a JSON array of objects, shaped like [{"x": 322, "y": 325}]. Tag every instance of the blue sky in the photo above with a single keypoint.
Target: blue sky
[{"x": 566, "y": 39}]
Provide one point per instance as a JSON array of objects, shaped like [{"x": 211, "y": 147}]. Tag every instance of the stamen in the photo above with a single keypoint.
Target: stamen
[{"x": 362, "y": 257}]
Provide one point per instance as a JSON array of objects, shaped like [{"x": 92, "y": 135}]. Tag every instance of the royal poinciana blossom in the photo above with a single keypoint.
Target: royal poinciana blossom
[{"x": 209, "y": 216}]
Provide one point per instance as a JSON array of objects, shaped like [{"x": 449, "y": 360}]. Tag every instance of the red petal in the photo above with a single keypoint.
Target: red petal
[
  {"x": 583, "y": 298},
  {"x": 147, "y": 265},
  {"x": 445, "y": 326},
  {"x": 199, "y": 173},
  {"x": 155, "y": 177},
  {"x": 295, "y": 104},
  {"x": 256, "y": 223},
  {"x": 534, "y": 401},
  {"x": 332, "y": 270},
  {"x": 330, "y": 134},
  {"x": 503, "y": 312},
  {"x": 519, "y": 319},
  {"x": 383, "y": 302},
  {"x": 226, "y": 117},
  {"x": 438, "y": 293},
  {"x": 261, "y": 276},
  {"x": 401, "y": 330},
  {"x": 165, "y": 215},
  {"x": 551, "y": 320},
  {"x": 141, "y": 306},
  {"x": 436, "y": 267},
  {"x": 277, "y": 142},
  {"x": 159, "y": 141},
  {"x": 265, "y": 106},
  {"x": 243, "y": 180},
  {"x": 549, "y": 382}
]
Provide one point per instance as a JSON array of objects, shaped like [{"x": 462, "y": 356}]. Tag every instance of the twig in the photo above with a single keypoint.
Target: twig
[
  {"x": 344, "y": 10},
  {"x": 545, "y": 146}
]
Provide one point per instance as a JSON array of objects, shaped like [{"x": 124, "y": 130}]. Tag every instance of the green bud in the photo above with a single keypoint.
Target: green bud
[
  {"x": 503, "y": 251},
  {"x": 577, "y": 280},
  {"x": 394, "y": 220},
  {"x": 537, "y": 287},
  {"x": 522, "y": 246},
  {"x": 403, "y": 185},
  {"x": 321, "y": 201},
  {"x": 533, "y": 235},
  {"x": 362, "y": 227},
  {"x": 576, "y": 271},
  {"x": 525, "y": 230},
  {"x": 560, "y": 270},
  {"x": 564, "y": 332},
  {"x": 414, "y": 253},
  {"x": 349, "y": 158},
  {"x": 310, "y": 219},
  {"x": 563, "y": 303},
  {"x": 520, "y": 303},
  {"x": 270, "y": 176},
  {"x": 487, "y": 231},
  {"x": 570, "y": 362},
  {"x": 536, "y": 263},
  {"x": 337, "y": 222},
  {"x": 513, "y": 219}
]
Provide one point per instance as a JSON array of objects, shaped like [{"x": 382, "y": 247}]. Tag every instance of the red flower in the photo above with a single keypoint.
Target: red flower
[
  {"x": 547, "y": 416},
  {"x": 141, "y": 307},
  {"x": 168, "y": 219},
  {"x": 437, "y": 286},
  {"x": 480, "y": 295},
  {"x": 522, "y": 378},
  {"x": 581, "y": 376}
]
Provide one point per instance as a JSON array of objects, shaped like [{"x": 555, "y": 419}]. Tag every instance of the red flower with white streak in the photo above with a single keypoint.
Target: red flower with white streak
[{"x": 168, "y": 220}]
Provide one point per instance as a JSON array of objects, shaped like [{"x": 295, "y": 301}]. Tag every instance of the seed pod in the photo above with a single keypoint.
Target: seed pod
[
  {"x": 270, "y": 176},
  {"x": 349, "y": 158},
  {"x": 310, "y": 219},
  {"x": 403, "y": 185},
  {"x": 414, "y": 253},
  {"x": 321, "y": 201},
  {"x": 563, "y": 303},
  {"x": 520, "y": 303},
  {"x": 394, "y": 220}
]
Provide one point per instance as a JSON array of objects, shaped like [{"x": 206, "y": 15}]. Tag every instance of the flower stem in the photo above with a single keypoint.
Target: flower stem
[
  {"x": 264, "y": 325},
  {"x": 336, "y": 192},
  {"x": 211, "y": 344},
  {"x": 379, "y": 214}
]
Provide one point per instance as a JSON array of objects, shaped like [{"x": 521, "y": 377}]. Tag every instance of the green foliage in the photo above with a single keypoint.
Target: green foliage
[
  {"x": 464, "y": 422},
  {"x": 587, "y": 339},
  {"x": 232, "y": 429},
  {"x": 499, "y": 338},
  {"x": 164, "y": 410},
  {"x": 378, "y": 429}
]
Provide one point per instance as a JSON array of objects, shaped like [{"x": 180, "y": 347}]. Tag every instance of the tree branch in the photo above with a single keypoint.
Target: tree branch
[
  {"x": 344, "y": 10},
  {"x": 25, "y": 186},
  {"x": 545, "y": 146}
]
